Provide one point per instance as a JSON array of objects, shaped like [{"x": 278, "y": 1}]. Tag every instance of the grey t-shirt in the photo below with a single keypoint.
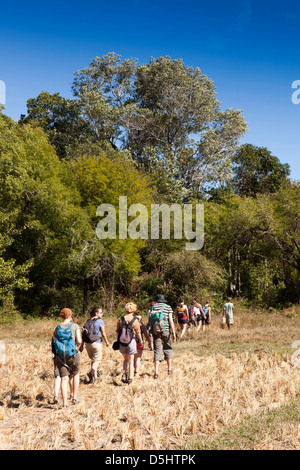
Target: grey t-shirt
[
  {"x": 74, "y": 328},
  {"x": 228, "y": 307}
]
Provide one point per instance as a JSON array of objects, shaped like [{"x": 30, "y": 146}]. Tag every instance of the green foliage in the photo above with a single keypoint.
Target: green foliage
[
  {"x": 60, "y": 118},
  {"x": 164, "y": 110},
  {"x": 190, "y": 275},
  {"x": 257, "y": 241},
  {"x": 47, "y": 223},
  {"x": 257, "y": 171},
  {"x": 156, "y": 134}
]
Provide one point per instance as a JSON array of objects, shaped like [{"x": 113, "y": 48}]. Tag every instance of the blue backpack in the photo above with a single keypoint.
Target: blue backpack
[
  {"x": 205, "y": 310},
  {"x": 64, "y": 343}
]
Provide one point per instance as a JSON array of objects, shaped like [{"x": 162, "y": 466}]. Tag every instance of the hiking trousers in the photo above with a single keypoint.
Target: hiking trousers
[{"x": 162, "y": 343}]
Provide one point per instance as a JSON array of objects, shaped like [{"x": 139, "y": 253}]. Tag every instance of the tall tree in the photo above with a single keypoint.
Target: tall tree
[
  {"x": 60, "y": 118},
  {"x": 256, "y": 171},
  {"x": 166, "y": 114},
  {"x": 37, "y": 191},
  {"x": 102, "y": 180}
]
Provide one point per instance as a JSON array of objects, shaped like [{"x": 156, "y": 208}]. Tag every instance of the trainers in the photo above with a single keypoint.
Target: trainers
[{"x": 75, "y": 401}]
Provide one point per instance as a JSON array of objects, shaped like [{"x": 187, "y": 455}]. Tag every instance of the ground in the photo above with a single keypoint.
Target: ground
[{"x": 236, "y": 389}]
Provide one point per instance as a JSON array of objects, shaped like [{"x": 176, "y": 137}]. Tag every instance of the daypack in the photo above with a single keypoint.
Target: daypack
[
  {"x": 88, "y": 332},
  {"x": 181, "y": 312},
  {"x": 64, "y": 344},
  {"x": 205, "y": 310},
  {"x": 191, "y": 310},
  {"x": 126, "y": 333},
  {"x": 158, "y": 322}
]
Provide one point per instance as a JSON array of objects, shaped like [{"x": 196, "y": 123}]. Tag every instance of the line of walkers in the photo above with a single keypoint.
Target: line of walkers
[{"x": 68, "y": 340}]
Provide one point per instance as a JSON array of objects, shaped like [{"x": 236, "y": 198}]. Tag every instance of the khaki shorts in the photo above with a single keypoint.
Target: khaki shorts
[
  {"x": 94, "y": 351},
  {"x": 71, "y": 367}
]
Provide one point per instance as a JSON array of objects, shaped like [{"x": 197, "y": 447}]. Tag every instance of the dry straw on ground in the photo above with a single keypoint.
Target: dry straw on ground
[{"x": 219, "y": 379}]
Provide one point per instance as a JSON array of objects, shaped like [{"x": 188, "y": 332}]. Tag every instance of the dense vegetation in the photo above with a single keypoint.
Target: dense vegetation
[{"x": 157, "y": 134}]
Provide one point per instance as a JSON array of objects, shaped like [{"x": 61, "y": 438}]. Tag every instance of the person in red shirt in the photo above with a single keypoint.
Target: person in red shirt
[{"x": 182, "y": 315}]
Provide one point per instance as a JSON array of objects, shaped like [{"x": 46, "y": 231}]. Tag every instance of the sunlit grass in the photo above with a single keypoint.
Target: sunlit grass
[{"x": 222, "y": 381}]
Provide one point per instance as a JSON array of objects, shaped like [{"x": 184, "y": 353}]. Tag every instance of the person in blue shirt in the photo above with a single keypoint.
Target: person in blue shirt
[
  {"x": 94, "y": 349},
  {"x": 206, "y": 316}
]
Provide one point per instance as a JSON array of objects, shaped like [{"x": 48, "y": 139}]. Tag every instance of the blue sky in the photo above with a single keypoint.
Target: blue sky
[{"x": 250, "y": 49}]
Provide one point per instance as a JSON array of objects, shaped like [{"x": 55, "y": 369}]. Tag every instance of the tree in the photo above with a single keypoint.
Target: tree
[
  {"x": 257, "y": 242},
  {"x": 13, "y": 276},
  {"x": 100, "y": 180},
  {"x": 257, "y": 171},
  {"x": 166, "y": 114},
  {"x": 190, "y": 275},
  {"x": 61, "y": 120},
  {"x": 38, "y": 194}
]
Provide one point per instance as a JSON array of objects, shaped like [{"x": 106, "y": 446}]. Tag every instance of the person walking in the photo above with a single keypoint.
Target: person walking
[
  {"x": 182, "y": 316},
  {"x": 128, "y": 328},
  {"x": 198, "y": 313},
  {"x": 228, "y": 313},
  {"x": 206, "y": 316},
  {"x": 93, "y": 334},
  {"x": 139, "y": 345},
  {"x": 192, "y": 317},
  {"x": 66, "y": 342},
  {"x": 57, "y": 378},
  {"x": 148, "y": 324},
  {"x": 163, "y": 330}
]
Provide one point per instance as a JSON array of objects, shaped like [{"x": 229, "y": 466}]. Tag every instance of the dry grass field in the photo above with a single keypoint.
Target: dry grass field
[{"x": 236, "y": 389}]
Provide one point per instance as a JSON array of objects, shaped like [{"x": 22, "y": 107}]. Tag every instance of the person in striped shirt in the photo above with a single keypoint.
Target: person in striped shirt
[{"x": 163, "y": 332}]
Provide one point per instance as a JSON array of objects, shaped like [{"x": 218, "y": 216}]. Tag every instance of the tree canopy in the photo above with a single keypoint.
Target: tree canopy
[{"x": 151, "y": 133}]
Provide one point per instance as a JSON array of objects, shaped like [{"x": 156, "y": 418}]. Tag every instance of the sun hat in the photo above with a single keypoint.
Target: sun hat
[{"x": 160, "y": 298}]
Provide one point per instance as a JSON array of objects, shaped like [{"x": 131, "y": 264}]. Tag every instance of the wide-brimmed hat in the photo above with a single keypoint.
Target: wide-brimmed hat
[{"x": 159, "y": 298}]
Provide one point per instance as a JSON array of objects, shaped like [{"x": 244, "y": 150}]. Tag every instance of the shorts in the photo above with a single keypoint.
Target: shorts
[
  {"x": 94, "y": 351},
  {"x": 162, "y": 344},
  {"x": 205, "y": 320},
  {"x": 183, "y": 322},
  {"x": 130, "y": 349},
  {"x": 71, "y": 367}
]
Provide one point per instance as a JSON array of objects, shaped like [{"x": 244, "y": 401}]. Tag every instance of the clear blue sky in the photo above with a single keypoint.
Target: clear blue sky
[{"x": 250, "y": 49}]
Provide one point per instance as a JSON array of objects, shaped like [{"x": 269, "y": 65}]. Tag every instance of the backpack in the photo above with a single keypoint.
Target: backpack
[
  {"x": 88, "y": 332},
  {"x": 126, "y": 333},
  {"x": 191, "y": 310},
  {"x": 64, "y": 344},
  {"x": 181, "y": 312},
  {"x": 158, "y": 322},
  {"x": 205, "y": 310}
]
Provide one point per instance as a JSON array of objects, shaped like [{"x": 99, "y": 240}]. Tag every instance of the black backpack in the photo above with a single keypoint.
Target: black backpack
[
  {"x": 88, "y": 331},
  {"x": 126, "y": 333}
]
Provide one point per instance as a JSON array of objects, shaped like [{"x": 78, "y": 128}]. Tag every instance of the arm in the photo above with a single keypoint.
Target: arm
[
  {"x": 172, "y": 327},
  {"x": 145, "y": 332},
  {"x": 78, "y": 339},
  {"x": 104, "y": 336}
]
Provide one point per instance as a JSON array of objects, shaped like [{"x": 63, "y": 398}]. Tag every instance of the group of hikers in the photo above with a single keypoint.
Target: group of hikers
[{"x": 69, "y": 340}]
